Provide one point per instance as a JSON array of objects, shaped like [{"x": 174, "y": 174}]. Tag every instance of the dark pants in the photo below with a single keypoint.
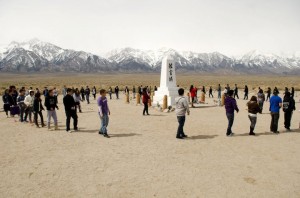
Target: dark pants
[
  {"x": 94, "y": 96},
  {"x": 82, "y": 96},
  {"x": 109, "y": 95},
  {"x": 274, "y": 122},
  {"x": 73, "y": 115},
  {"x": 78, "y": 105},
  {"x": 246, "y": 96},
  {"x": 28, "y": 113},
  {"x": 181, "y": 121},
  {"x": 261, "y": 105},
  {"x": 210, "y": 94},
  {"x": 236, "y": 95},
  {"x": 230, "y": 118},
  {"x": 22, "y": 113},
  {"x": 145, "y": 108},
  {"x": 268, "y": 97},
  {"x": 117, "y": 95},
  {"x": 87, "y": 98},
  {"x": 36, "y": 118},
  {"x": 287, "y": 119}
]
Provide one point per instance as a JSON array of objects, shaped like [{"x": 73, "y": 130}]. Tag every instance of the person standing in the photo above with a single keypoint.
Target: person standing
[
  {"x": 230, "y": 106},
  {"x": 5, "y": 100},
  {"x": 37, "y": 109},
  {"x": 253, "y": 109},
  {"x": 104, "y": 112},
  {"x": 292, "y": 92},
  {"x": 51, "y": 105},
  {"x": 236, "y": 92},
  {"x": 275, "y": 105},
  {"x": 110, "y": 93},
  {"x": 70, "y": 109},
  {"x": 87, "y": 92},
  {"x": 82, "y": 94},
  {"x": 29, "y": 103},
  {"x": 219, "y": 91},
  {"x": 193, "y": 91},
  {"x": 210, "y": 92},
  {"x": 133, "y": 92},
  {"x": 288, "y": 108},
  {"x": 21, "y": 104},
  {"x": 268, "y": 94},
  {"x": 64, "y": 91},
  {"x": 145, "y": 101},
  {"x": 94, "y": 92},
  {"x": 203, "y": 89},
  {"x": 261, "y": 99},
  {"x": 182, "y": 107},
  {"x": 246, "y": 91},
  {"x": 117, "y": 92},
  {"x": 155, "y": 88},
  {"x": 126, "y": 90},
  {"x": 77, "y": 99}
]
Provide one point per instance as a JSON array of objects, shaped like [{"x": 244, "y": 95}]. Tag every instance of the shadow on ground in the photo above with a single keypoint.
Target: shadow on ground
[{"x": 199, "y": 137}]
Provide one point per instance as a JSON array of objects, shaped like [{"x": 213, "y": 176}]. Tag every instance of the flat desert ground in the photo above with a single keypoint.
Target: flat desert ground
[{"x": 144, "y": 159}]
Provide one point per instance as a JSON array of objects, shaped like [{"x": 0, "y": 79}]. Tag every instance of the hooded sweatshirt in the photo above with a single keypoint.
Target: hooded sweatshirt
[{"x": 29, "y": 100}]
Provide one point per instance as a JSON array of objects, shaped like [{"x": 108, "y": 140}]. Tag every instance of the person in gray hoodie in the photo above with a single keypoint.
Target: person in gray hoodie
[{"x": 182, "y": 107}]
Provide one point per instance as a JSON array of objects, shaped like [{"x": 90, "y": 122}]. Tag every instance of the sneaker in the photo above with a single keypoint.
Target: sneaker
[
  {"x": 184, "y": 136},
  {"x": 75, "y": 130},
  {"x": 179, "y": 138},
  {"x": 277, "y": 132},
  {"x": 69, "y": 131},
  {"x": 230, "y": 135},
  {"x": 100, "y": 132},
  {"x": 252, "y": 133},
  {"x": 106, "y": 135}
]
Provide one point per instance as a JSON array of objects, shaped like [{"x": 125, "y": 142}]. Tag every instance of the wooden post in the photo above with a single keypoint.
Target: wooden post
[
  {"x": 127, "y": 98},
  {"x": 223, "y": 100},
  {"x": 165, "y": 102},
  {"x": 138, "y": 99}
]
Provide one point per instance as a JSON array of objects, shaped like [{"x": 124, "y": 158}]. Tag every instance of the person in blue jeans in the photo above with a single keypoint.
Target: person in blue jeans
[
  {"x": 104, "y": 112},
  {"x": 275, "y": 105},
  {"x": 182, "y": 107},
  {"x": 230, "y": 106}
]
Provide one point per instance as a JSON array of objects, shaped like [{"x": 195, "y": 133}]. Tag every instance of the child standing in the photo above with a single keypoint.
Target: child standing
[
  {"x": 104, "y": 111},
  {"x": 51, "y": 104},
  {"x": 182, "y": 107}
]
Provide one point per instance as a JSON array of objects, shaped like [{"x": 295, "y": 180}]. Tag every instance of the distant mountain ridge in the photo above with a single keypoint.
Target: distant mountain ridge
[{"x": 38, "y": 56}]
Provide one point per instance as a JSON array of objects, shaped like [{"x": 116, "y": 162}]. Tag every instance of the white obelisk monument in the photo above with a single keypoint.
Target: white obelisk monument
[{"x": 168, "y": 85}]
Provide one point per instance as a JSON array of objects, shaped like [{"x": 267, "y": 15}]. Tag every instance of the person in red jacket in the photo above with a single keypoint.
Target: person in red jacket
[
  {"x": 193, "y": 93},
  {"x": 145, "y": 101}
]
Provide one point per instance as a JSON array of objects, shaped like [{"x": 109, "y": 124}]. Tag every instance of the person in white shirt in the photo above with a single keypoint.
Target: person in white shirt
[
  {"x": 29, "y": 103},
  {"x": 182, "y": 107}
]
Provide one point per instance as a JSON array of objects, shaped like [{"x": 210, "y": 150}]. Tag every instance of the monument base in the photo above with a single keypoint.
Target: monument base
[{"x": 171, "y": 92}]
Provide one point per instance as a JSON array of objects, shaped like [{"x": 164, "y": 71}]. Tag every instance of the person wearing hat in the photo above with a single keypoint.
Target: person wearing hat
[
  {"x": 275, "y": 105},
  {"x": 288, "y": 108},
  {"x": 230, "y": 106}
]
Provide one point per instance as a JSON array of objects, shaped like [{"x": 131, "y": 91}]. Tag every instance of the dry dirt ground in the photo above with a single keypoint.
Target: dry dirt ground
[{"x": 144, "y": 159}]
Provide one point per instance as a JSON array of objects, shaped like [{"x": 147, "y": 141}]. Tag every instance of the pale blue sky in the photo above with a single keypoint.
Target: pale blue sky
[{"x": 231, "y": 27}]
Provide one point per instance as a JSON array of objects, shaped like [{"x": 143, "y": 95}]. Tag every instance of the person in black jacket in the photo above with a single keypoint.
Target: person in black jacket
[
  {"x": 292, "y": 92},
  {"x": 268, "y": 94},
  {"x": 117, "y": 92},
  {"x": 210, "y": 92},
  {"x": 236, "y": 92},
  {"x": 70, "y": 109},
  {"x": 6, "y": 105},
  {"x": 288, "y": 108},
  {"x": 37, "y": 109},
  {"x": 246, "y": 91},
  {"x": 82, "y": 94},
  {"x": 51, "y": 105},
  {"x": 87, "y": 92}
]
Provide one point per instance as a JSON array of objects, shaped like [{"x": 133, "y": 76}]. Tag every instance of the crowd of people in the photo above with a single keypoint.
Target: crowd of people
[{"x": 26, "y": 103}]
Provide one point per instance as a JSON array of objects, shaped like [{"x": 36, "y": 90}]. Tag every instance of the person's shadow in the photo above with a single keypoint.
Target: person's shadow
[
  {"x": 199, "y": 137},
  {"x": 124, "y": 135}
]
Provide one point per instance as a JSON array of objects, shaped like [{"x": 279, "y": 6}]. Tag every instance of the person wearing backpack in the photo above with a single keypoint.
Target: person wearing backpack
[{"x": 288, "y": 108}]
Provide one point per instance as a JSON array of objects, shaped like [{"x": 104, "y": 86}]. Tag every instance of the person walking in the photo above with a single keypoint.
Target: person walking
[
  {"x": 236, "y": 92},
  {"x": 117, "y": 92},
  {"x": 275, "y": 105},
  {"x": 261, "y": 99},
  {"x": 37, "y": 110},
  {"x": 246, "y": 92},
  {"x": 146, "y": 99},
  {"x": 268, "y": 94},
  {"x": 182, "y": 107},
  {"x": 292, "y": 92},
  {"x": 94, "y": 92},
  {"x": 133, "y": 92},
  {"x": 77, "y": 99},
  {"x": 203, "y": 89},
  {"x": 288, "y": 108},
  {"x": 87, "y": 92},
  {"x": 104, "y": 112},
  {"x": 51, "y": 105},
  {"x": 82, "y": 94},
  {"x": 70, "y": 109},
  {"x": 110, "y": 93},
  {"x": 253, "y": 109},
  {"x": 193, "y": 92},
  {"x": 210, "y": 92},
  {"x": 21, "y": 104},
  {"x": 219, "y": 91},
  {"x": 230, "y": 106}
]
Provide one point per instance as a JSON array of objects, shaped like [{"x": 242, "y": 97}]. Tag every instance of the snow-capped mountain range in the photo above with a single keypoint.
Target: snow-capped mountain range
[{"x": 36, "y": 56}]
